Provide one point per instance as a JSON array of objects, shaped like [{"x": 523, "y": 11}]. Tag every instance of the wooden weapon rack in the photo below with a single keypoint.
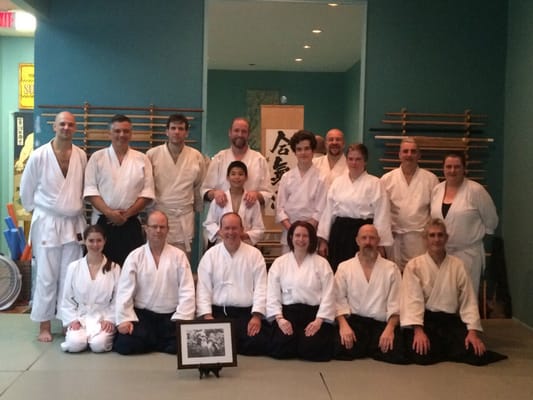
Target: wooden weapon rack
[
  {"x": 436, "y": 134},
  {"x": 148, "y": 124}
]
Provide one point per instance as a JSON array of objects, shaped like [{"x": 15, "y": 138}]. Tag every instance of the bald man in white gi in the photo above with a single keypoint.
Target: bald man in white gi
[
  {"x": 409, "y": 188},
  {"x": 52, "y": 187},
  {"x": 368, "y": 304},
  {"x": 155, "y": 289}
]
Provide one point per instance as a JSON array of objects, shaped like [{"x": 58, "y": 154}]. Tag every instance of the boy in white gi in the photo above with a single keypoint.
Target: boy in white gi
[
  {"x": 251, "y": 217},
  {"x": 301, "y": 192}
]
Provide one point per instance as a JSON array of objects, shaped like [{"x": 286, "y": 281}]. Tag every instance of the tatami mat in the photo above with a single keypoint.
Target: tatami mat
[{"x": 32, "y": 370}]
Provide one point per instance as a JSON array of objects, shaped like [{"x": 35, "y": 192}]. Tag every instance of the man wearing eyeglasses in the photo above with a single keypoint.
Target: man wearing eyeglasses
[{"x": 155, "y": 289}]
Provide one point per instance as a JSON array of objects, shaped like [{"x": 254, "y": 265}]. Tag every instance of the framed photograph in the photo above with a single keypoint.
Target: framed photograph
[{"x": 206, "y": 343}]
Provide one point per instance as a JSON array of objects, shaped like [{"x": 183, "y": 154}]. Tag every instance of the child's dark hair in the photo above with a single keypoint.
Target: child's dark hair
[
  {"x": 237, "y": 164},
  {"x": 98, "y": 229}
]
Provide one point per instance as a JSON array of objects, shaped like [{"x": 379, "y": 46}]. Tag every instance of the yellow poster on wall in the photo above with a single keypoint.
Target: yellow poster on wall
[{"x": 26, "y": 85}]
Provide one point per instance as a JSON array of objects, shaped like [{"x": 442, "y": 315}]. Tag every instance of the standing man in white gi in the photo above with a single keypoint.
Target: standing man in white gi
[
  {"x": 368, "y": 304},
  {"x": 178, "y": 172},
  {"x": 333, "y": 163},
  {"x": 439, "y": 304},
  {"x": 409, "y": 188},
  {"x": 52, "y": 187},
  {"x": 155, "y": 289},
  {"x": 258, "y": 184},
  {"x": 232, "y": 283},
  {"x": 119, "y": 185}
]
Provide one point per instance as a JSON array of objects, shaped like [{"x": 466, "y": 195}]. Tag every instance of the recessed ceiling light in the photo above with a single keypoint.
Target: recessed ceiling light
[
  {"x": 298, "y": 59},
  {"x": 24, "y": 22},
  {"x": 333, "y": 4},
  {"x": 306, "y": 46},
  {"x": 317, "y": 31}
]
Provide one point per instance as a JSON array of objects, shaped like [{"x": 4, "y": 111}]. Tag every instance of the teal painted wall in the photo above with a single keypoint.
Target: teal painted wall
[
  {"x": 321, "y": 94},
  {"x": 352, "y": 84},
  {"x": 518, "y": 160},
  {"x": 120, "y": 53},
  {"x": 438, "y": 56},
  {"x": 124, "y": 53},
  {"x": 13, "y": 51}
]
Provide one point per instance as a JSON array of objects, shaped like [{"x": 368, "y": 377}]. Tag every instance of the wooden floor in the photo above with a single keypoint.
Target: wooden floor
[{"x": 33, "y": 370}]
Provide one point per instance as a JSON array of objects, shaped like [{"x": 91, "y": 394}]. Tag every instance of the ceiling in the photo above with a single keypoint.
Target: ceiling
[
  {"x": 6, "y": 5},
  {"x": 267, "y": 35},
  {"x": 271, "y": 34}
]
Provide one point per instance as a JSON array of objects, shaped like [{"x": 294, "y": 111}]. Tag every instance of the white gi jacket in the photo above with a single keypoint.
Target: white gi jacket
[
  {"x": 88, "y": 300},
  {"x": 377, "y": 298},
  {"x": 252, "y": 219},
  {"x": 446, "y": 288},
  {"x": 363, "y": 198},
  {"x": 258, "y": 175},
  {"x": 177, "y": 189},
  {"x": 310, "y": 283},
  {"x": 164, "y": 288},
  {"x": 224, "y": 280},
  {"x": 119, "y": 184},
  {"x": 56, "y": 200}
]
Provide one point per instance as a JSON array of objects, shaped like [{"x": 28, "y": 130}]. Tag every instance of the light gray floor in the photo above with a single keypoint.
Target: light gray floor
[{"x": 32, "y": 370}]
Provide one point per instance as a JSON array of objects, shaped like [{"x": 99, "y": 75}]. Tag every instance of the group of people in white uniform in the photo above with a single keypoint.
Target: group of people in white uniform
[{"x": 336, "y": 292}]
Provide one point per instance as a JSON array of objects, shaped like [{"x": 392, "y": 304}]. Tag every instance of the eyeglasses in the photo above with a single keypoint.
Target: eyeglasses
[{"x": 156, "y": 227}]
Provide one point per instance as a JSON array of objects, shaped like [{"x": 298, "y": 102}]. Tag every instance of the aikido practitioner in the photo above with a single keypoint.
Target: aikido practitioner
[
  {"x": 301, "y": 299},
  {"x": 178, "y": 172},
  {"x": 155, "y": 289},
  {"x": 232, "y": 283},
  {"x": 439, "y": 306},
  {"x": 119, "y": 185},
  {"x": 51, "y": 186},
  {"x": 368, "y": 304}
]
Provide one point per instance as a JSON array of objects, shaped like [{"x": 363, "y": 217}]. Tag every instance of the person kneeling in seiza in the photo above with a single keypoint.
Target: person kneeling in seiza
[
  {"x": 368, "y": 304},
  {"x": 232, "y": 282},
  {"x": 155, "y": 289},
  {"x": 439, "y": 303},
  {"x": 301, "y": 299}
]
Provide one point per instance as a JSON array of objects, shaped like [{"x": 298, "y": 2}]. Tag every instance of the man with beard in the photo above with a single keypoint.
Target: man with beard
[
  {"x": 409, "y": 188},
  {"x": 439, "y": 304},
  {"x": 333, "y": 163},
  {"x": 368, "y": 304},
  {"x": 257, "y": 185}
]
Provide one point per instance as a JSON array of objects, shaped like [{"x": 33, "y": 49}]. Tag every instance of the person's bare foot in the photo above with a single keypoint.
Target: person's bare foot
[{"x": 45, "y": 332}]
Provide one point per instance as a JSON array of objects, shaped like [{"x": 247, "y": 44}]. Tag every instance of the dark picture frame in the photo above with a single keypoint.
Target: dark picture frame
[{"x": 206, "y": 344}]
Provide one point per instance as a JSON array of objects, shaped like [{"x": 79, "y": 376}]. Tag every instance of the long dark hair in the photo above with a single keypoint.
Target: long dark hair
[{"x": 98, "y": 229}]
